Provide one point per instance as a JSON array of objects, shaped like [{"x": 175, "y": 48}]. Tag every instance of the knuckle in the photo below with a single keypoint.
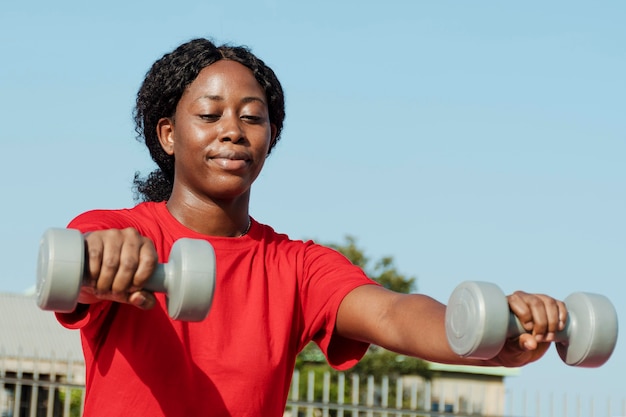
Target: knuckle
[
  {"x": 131, "y": 233},
  {"x": 150, "y": 258},
  {"x": 518, "y": 295},
  {"x": 93, "y": 253},
  {"x": 110, "y": 262},
  {"x": 535, "y": 301},
  {"x": 128, "y": 264}
]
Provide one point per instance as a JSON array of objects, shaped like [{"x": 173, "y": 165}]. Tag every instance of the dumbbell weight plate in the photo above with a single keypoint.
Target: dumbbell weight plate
[
  {"x": 190, "y": 296},
  {"x": 61, "y": 255},
  {"x": 469, "y": 329},
  {"x": 591, "y": 331}
]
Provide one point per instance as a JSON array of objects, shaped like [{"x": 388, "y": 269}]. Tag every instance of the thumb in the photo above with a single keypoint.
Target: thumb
[
  {"x": 142, "y": 299},
  {"x": 527, "y": 342}
]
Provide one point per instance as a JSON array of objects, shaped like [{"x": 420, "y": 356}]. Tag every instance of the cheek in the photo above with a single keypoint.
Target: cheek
[
  {"x": 266, "y": 141},
  {"x": 190, "y": 139}
]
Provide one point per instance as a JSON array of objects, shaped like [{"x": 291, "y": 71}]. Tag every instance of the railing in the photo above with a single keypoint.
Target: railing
[
  {"x": 339, "y": 394},
  {"x": 399, "y": 397},
  {"x": 38, "y": 388}
]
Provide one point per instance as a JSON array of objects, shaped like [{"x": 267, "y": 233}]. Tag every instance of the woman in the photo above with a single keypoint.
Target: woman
[{"x": 209, "y": 117}]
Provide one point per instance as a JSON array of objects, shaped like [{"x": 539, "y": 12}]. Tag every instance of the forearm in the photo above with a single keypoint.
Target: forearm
[{"x": 410, "y": 324}]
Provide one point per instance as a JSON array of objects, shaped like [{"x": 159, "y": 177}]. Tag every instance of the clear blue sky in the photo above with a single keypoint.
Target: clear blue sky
[{"x": 468, "y": 140}]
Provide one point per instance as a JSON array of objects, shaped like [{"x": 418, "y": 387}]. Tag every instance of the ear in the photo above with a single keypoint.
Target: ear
[{"x": 165, "y": 132}]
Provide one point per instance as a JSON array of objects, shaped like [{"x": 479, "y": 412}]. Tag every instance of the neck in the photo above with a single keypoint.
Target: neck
[{"x": 210, "y": 217}]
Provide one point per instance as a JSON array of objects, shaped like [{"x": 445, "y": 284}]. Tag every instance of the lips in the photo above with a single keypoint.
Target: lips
[{"x": 230, "y": 160}]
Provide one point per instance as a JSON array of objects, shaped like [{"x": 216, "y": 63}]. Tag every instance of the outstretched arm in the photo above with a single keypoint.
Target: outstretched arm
[{"x": 414, "y": 324}]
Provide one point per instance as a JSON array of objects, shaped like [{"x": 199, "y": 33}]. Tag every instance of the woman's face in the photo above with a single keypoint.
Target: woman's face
[{"x": 220, "y": 134}]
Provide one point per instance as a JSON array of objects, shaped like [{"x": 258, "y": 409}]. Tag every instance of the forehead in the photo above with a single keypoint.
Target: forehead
[{"x": 226, "y": 76}]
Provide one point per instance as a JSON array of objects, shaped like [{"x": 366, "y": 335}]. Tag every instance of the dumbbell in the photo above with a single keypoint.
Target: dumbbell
[
  {"x": 188, "y": 278},
  {"x": 478, "y": 322}
]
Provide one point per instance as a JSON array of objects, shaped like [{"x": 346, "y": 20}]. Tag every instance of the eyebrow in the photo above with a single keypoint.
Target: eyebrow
[{"x": 248, "y": 99}]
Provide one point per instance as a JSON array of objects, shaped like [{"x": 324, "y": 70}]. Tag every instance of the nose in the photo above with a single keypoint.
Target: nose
[{"x": 231, "y": 129}]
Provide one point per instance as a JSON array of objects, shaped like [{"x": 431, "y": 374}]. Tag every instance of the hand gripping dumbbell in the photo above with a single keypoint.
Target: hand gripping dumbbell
[
  {"x": 478, "y": 322},
  {"x": 188, "y": 278}
]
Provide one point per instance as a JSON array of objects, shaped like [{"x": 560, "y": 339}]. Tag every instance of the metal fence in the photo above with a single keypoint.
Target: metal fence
[
  {"x": 40, "y": 388},
  {"x": 44, "y": 388},
  {"x": 341, "y": 395}
]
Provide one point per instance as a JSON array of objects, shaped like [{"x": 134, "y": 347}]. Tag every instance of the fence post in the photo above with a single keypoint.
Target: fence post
[
  {"x": 369, "y": 401},
  {"x": 384, "y": 394},
  {"x": 18, "y": 386},
  {"x": 295, "y": 391},
  {"x": 537, "y": 412},
  {"x": 52, "y": 390},
  {"x": 341, "y": 392},
  {"x": 34, "y": 391},
  {"x": 68, "y": 389},
  {"x": 3, "y": 395},
  {"x": 399, "y": 395},
  {"x": 326, "y": 394},
  {"x": 355, "y": 394},
  {"x": 427, "y": 397},
  {"x": 2, "y": 375},
  {"x": 310, "y": 393}
]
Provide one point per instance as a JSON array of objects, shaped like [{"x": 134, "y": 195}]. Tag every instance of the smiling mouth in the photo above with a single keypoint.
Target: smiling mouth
[{"x": 230, "y": 161}]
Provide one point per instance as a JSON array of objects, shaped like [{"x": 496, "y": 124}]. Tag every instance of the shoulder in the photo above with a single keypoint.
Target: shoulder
[
  {"x": 99, "y": 219},
  {"x": 283, "y": 242},
  {"x": 309, "y": 248}
]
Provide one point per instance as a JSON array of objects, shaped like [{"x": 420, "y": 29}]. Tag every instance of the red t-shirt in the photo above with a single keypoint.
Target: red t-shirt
[{"x": 273, "y": 295}]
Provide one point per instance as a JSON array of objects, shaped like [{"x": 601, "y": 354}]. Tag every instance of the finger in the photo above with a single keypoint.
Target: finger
[
  {"x": 127, "y": 264},
  {"x": 521, "y": 309},
  {"x": 93, "y": 252},
  {"x": 552, "y": 308},
  {"x": 539, "y": 308},
  {"x": 142, "y": 299},
  {"x": 527, "y": 342},
  {"x": 112, "y": 246},
  {"x": 562, "y": 314},
  {"x": 148, "y": 259}
]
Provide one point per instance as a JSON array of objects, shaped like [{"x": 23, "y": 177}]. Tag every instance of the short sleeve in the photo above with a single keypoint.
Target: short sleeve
[
  {"x": 329, "y": 277},
  {"x": 84, "y": 315}
]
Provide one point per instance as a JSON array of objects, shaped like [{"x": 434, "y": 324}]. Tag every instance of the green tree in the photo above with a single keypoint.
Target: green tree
[
  {"x": 76, "y": 398},
  {"x": 377, "y": 361}
]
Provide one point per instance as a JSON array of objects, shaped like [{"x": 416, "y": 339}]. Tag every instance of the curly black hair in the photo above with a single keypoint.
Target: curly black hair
[{"x": 163, "y": 87}]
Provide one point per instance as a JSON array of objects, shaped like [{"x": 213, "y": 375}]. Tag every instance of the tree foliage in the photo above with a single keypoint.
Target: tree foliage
[
  {"x": 377, "y": 361},
  {"x": 383, "y": 271}
]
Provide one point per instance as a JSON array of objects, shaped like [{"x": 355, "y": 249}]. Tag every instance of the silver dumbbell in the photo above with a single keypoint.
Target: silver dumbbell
[
  {"x": 478, "y": 322},
  {"x": 188, "y": 278}
]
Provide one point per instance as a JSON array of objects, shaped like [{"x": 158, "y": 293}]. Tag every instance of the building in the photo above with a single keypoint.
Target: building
[
  {"x": 469, "y": 389},
  {"x": 35, "y": 351}
]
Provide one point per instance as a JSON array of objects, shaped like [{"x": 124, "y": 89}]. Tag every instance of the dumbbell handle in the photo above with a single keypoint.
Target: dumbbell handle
[
  {"x": 516, "y": 329},
  {"x": 157, "y": 281}
]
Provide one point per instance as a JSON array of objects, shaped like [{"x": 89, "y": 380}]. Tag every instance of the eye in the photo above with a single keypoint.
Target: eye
[
  {"x": 253, "y": 119},
  {"x": 210, "y": 117}
]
